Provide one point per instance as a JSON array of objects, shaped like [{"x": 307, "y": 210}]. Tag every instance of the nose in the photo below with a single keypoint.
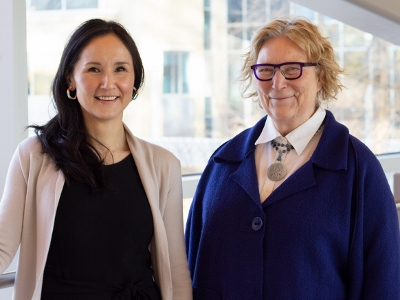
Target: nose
[
  {"x": 108, "y": 81},
  {"x": 278, "y": 79}
]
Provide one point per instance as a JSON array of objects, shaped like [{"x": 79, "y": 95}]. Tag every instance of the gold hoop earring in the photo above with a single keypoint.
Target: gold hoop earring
[
  {"x": 69, "y": 94},
  {"x": 135, "y": 94}
]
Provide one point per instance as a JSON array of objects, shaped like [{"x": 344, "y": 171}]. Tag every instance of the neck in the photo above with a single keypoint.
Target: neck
[
  {"x": 285, "y": 126},
  {"x": 109, "y": 140}
]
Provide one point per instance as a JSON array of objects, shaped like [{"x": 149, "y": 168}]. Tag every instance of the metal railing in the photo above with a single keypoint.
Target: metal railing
[{"x": 7, "y": 280}]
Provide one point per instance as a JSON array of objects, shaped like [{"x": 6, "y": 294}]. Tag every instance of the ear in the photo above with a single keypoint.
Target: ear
[
  {"x": 319, "y": 85},
  {"x": 71, "y": 83},
  {"x": 319, "y": 82}
]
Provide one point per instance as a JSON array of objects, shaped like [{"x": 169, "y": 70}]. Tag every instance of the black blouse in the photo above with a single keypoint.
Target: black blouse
[{"x": 99, "y": 247}]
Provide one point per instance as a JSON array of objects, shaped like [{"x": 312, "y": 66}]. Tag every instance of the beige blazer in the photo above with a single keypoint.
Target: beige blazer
[{"x": 29, "y": 202}]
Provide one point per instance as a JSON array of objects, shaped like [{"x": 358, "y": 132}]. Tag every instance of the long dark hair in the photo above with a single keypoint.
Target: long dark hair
[{"x": 65, "y": 138}]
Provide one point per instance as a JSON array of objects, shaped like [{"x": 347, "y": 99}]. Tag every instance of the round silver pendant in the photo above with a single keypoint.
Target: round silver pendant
[{"x": 276, "y": 171}]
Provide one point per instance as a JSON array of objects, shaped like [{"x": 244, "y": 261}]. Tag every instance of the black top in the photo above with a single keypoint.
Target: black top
[{"x": 99, "y": 247}]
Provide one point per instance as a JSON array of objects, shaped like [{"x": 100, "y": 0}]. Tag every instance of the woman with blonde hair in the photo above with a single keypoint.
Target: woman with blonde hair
[{"x": 294, "y": 207}]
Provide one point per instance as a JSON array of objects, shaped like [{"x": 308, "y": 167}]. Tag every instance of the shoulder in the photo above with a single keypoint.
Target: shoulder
[
  {"x": 150, "y": 153},
  {"x": 364, "y": 156},
  {"x": 337, "y": 146},
  {"x": 152, "y": 149},
  {"x": 357, "y": 152},
  {"x": 30, "y": 159},
  {"x": 238, "y": 147},
  {"x": 30, "y": 143},
  {"x": 31, "y": 147}
]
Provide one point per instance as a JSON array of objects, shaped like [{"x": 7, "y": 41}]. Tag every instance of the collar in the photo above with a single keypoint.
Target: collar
[
  {"x": 242, "y": 146},
  {"x": 299, "y": 137}
]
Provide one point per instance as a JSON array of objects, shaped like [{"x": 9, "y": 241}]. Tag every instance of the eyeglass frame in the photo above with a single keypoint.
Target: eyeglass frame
[{"x": 278, "y": 66}]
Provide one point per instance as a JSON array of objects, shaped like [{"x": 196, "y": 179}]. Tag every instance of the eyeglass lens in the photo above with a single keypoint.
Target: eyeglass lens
[{"x": 290, "y": 71}]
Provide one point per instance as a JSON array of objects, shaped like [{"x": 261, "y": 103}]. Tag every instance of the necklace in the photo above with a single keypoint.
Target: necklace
[{"x": 277, "y": 170}]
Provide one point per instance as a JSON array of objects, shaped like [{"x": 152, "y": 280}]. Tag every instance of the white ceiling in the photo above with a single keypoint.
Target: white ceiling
[{"x": 380, "y": 18}]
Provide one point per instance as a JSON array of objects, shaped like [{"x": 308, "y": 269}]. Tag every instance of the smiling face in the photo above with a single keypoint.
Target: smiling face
[
  {"x": 288, "y": 102},
  {"x": 103, "y": 78}
]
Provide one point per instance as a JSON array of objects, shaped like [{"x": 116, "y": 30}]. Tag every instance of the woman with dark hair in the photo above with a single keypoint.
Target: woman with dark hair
[{"x": 96, "y": 212}]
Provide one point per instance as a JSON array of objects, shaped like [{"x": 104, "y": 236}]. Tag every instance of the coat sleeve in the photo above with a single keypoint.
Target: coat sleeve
[
  {"x": 193, "y": 231},
  {"x": 12, "y": 207},
  {"x": 377, "y": 231}
]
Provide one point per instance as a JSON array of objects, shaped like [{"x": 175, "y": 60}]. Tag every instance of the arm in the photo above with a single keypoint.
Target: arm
[
  {"x": 381, "y": 244},
  {"x": 193, "y": 231},
  {"x": 12, "y": 207},
  {"x": 380, "y": 233},
  {"x": 173, "y": 220}
]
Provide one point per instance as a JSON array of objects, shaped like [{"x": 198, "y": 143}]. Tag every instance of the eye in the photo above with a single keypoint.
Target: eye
[
  {"x": 120, "y": 69},
  {"x": 93, "y": 69},
  {"x": 291, "y": 69},
  {"x": 265, "y": 69}
]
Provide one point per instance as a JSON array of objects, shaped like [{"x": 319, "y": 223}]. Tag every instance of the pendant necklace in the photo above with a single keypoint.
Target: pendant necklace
[{"x": 277, "y": 170}]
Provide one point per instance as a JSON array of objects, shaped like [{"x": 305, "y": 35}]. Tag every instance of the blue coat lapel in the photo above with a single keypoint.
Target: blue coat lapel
[
  {"x": 240, "y": 150},
  {"x": 246, "y": 177}
]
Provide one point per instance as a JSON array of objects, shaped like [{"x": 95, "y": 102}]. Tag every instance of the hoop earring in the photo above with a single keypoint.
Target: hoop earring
[
  {"x": 135, "y": 94},
  {"x": 69, "y": 95}
]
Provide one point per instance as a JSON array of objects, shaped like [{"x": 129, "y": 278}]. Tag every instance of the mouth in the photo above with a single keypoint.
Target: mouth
[
  {"x": 109, "y": 98},
  {"x": 280, "y": 97}
]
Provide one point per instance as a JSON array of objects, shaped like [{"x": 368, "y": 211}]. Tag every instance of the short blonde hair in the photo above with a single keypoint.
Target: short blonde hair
[{"x": 308, "y": 37}]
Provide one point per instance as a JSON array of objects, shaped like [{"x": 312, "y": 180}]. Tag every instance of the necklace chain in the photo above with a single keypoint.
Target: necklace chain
[{"x": 277, "y": 146}]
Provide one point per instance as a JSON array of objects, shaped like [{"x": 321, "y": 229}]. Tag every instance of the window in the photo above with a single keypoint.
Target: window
[
  {"x": 178, "y": 107},
  {"x": 190, "y": 102},
  {"x": 175, "y": 73},
  {"x": 61, "y": 4},
  {"x": 207, "y": 25}
]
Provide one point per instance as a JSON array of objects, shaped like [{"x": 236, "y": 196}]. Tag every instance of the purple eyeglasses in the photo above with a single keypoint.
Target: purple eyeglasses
[{"x": 290, "y": 70}]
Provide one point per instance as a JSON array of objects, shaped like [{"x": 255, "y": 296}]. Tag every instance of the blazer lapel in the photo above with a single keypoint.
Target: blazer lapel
[
  {"x": 301, "y": 180},
  {"x": 245, "y": 176},
  {"x": 50, "y": 183}
]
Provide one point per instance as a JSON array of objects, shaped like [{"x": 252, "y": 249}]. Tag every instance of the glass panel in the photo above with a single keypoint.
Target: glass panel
[
  {"x": 355, "y": 61},
  {"x": 207, "y": 29},
  {"x": 75, "y": 4},
  {"x": 45, "y": 4},
  {"x": 332, "y": 32},
  {"x": 175, "y": 73},
  {"x": 299, "y": 10},
  {"x": 353, "y": 37},
  {"x": 235, "y": 11},
  {"x": 208, "y": 117},
  {"x": 256, "y": 11},
  {"x": 191, "y": 102},
  {"x": 395, "y": 68},
  {"x": 178, "y": 115},
  {"x": 183, "y": 77},
  {"x": 170, "y": 72},
  {"x": 279, "y": 8},
  {"x": 235, "y": 38}
]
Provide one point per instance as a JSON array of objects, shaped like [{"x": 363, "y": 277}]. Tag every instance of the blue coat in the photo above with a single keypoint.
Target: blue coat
[{"x": 330, "y": 231}]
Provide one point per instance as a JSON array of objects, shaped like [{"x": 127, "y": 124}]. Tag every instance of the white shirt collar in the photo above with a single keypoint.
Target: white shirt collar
[{"x": 298, "y": 137}]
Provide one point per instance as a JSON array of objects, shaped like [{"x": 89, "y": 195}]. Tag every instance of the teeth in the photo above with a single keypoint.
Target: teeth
[{"x": 107, "y": 98}]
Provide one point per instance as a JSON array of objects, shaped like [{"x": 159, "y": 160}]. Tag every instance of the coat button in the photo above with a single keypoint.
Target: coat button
[{"x": 257, "y": 223}]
